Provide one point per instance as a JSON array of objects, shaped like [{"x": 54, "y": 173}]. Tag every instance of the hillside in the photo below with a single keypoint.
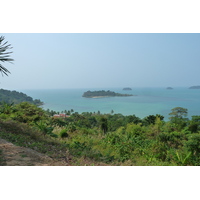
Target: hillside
[
  {"x": 15, "y": 97},
  {"x": 12, "y": 155}
]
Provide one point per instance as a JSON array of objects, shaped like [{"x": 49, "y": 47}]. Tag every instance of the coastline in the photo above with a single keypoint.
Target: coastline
[
  {"x": 148, "y": 101},
  {"x": 96, "y": 97}
]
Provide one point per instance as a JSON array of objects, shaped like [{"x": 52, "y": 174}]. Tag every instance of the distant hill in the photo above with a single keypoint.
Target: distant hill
[
  {"x": 169, "y": 88},
  {"x": 195, "y": 87},
  {"x": 17, "y": 97},
  {"x": 103, "y": 93},
  {"x": 127, "y": 88}
]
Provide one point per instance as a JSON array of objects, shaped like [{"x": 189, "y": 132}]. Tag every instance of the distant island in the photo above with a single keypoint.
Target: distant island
[
  {"x": 127, "y": 88},
  {"x": 103, "y": 93},
  {"x": 15, "y": 97},
  {"x": 195, "y": 87},
  {"x": 169, "y": 88}
]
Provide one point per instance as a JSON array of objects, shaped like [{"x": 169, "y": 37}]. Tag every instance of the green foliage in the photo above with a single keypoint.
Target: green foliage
[
  {"x": 104, "y": 124},
  {"x": 193, "y": 143},
  {"x": 6, "y": 108},
  {"x": 178, "y": 112},
  {"x": 133, "y": 119},
  {"x": 63, "y": 133},
  {"x": 151, "y": 119},
  {"x": 28, "y": 113},
  {"x": 183, "y": 157},
  {"x": 133, "y": 130},
  {"x": 111, "y": 139},
  {"x": 172, "y": 139},
  {"x": 23, "y": 135},
  {"x": 194, "y": 124},
  {"x": 45, "y": 128}
]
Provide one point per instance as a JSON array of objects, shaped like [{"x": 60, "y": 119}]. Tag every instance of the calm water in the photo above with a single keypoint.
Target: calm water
[{"x": 149, "y": 101}]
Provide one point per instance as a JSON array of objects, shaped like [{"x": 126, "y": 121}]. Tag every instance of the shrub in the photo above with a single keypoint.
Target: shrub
[
  {"x": 133, "y": 130},
  {"x": 193, "y": 144},
  {"x": 63, "y": 133}
]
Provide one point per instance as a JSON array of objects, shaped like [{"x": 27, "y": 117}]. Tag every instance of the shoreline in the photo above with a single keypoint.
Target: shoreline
[{"x": 96, "y": 97}]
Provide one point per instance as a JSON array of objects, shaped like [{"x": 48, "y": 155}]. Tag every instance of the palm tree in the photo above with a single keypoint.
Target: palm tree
[{"x": 4, "y": 56}]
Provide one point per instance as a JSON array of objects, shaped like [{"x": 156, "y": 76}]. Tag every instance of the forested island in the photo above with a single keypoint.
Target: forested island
[
  {"x": 127, "y": 88},
  {"x": 169, "y": 88},
  {"x": 15, "y": 97},
  {"x": 195, "y": 87},
  {"x": 103, "y": 93}
]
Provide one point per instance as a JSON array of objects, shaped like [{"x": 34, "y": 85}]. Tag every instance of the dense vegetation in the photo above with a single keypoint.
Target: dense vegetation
[
  {"x": 7, "y": 96},
  {"x": 103, "y": 93},
  {"x": 104, "y": 139}
]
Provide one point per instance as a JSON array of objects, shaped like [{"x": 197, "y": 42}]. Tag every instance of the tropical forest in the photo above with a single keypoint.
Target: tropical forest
[{"x": 103, "y": 139}]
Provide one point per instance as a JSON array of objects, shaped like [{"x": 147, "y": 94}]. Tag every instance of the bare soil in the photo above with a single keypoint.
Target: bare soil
[{"x": 20, "y": 156}]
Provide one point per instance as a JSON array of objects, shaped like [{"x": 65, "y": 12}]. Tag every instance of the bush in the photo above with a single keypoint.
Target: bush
[
  {"x": 28, "y": 113},
  {"x": 133, "y": 130},
  {"x": 193, "y": 143},
  {"x": 63, "y": 133}
]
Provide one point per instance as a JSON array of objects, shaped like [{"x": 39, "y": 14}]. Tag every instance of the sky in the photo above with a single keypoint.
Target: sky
[{"x": 102, "y": 60}]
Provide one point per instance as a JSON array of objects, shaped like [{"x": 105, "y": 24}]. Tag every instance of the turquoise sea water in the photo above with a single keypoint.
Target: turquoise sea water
[{"x": 148, "y": 101}]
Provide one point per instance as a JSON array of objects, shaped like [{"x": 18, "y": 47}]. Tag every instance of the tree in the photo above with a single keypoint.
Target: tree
[
  {"x": 4, "y": 56},
  {"x": 194, "y": 124},
  {"x": 178, "y": 112},
  {"x": 178, "y": 117},
  {"x": 6, "y": 108},
  {"x": 104, "y": 124},
  {"x": 151, "y": 119}
]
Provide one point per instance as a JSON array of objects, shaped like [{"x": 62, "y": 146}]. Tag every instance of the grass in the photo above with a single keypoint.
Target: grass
[
  {"x": 23, "y": 155},
  {"x": 23, "y": 135}
]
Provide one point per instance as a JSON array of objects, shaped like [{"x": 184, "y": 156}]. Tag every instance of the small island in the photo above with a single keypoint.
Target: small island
[
  {"x": 169, "y": 88},
  {"x": 127, "y": 88},
  {"x": 103, "y": 93},
  {"x": 195, "y": 87}
]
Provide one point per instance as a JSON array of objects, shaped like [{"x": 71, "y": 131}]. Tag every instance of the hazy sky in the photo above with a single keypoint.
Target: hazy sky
[{"x": 92, "y": 60}]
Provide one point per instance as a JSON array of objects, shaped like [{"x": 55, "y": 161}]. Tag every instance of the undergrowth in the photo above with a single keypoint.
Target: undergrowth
[
  {"x": 2, "y": 160},
  {"x": 22, "y": 135}
]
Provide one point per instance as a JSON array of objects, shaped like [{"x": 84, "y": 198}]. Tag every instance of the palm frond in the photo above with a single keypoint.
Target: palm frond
[
  {"x": 4, "y": 56},
  {"x": 3, "y": 70}
]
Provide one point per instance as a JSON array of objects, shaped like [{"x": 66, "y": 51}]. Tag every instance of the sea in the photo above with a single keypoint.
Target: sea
[{"x": 148, "y": 101}]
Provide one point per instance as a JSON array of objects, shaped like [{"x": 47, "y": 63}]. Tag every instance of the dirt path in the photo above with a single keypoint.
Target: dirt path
[{"x": 20, "y": 156}]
